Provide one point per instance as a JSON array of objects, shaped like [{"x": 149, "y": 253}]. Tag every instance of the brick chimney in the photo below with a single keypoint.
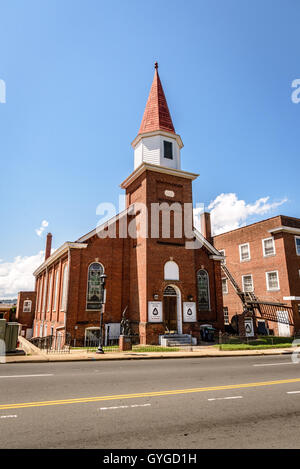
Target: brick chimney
[
  {"x": 206, "y": 225},
  {"x": 48, "y": 246}
]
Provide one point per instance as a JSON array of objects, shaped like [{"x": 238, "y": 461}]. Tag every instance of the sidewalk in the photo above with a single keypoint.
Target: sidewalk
[{"x": 196, "y": 352}]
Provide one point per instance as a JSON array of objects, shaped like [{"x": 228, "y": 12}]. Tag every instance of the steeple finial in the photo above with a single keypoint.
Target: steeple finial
[{"x": 156, "y": 65}]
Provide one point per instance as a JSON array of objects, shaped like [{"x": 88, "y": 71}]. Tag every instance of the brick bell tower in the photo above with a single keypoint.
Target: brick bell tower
[{"x": 162, "y": 268}]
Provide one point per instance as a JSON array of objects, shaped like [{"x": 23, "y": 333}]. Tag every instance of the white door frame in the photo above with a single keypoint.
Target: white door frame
[{"x": 179, "y": 306}]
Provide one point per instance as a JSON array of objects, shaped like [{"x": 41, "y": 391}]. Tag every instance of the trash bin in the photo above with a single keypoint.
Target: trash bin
[
  {"x": 11, "y": 336},
  {"x": 207, "y": 332}
]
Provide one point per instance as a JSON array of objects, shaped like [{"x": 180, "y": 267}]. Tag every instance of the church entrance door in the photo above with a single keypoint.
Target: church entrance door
[{"x": 170, "y": 309}]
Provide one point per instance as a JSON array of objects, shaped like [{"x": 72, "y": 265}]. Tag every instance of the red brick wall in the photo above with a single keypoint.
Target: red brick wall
[
  {"x": 285, "y": 261},
  {"x": 23, "y": 317},
  {"x": 134, "y": 269}
]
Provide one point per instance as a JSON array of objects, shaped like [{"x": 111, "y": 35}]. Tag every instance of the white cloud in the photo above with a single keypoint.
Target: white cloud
[
  {"x": 39, "y": 231},
  {"x": 18, "y": 275},
  {"x": 228, "y": 212}
]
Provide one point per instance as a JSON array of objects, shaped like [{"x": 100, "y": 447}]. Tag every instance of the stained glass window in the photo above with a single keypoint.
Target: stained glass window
[
  {"x": 203, "y": 290},
  {"x": 95, "y": 290}
]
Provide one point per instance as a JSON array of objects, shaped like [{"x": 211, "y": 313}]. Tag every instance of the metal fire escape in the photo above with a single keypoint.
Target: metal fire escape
[{"x": 267, "y": 310}]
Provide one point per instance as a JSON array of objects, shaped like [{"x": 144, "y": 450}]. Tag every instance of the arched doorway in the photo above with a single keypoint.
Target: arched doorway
[{"x": 172, "y": 309}]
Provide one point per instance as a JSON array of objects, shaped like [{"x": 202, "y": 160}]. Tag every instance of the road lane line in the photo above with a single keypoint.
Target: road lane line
[
  {"x": 145, "y": 394},
  {"x": 276, "y": 364},
  {"x": 8, "y": 416},
  {"x": 26, "y": 376},
  {"x": 293, "y": 392},
  {"x": 124, "y": 407},
  {"x": 224, "y": 398}
]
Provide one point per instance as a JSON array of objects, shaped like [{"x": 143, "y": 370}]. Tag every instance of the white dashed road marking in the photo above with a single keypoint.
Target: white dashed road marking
[
  {"x": 224, "y": 398},
  {"x": 275, "y": 364},
  {"x": 124, "y": 406},
  {"x": 293, "y": 392},
  {"x": 8, "y": 416},
  {"x": 26, "y": 376}
]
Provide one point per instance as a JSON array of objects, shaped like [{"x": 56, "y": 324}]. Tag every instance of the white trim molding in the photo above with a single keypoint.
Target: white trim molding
[
  {"x": 62, "y": 250},
  {"x": 159, "y": 169},
  {"x": 291, "y": 298},
  {"x": 286, "y": 229}
]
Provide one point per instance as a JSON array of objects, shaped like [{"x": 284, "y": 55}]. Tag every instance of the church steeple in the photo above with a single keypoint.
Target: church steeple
[
  {"x": 157, "y": 115},
  {"x": 157, "y": 143}
]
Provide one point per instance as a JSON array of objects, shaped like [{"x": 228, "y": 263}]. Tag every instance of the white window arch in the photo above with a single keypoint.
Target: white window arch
[{"x": 171, "y": 271}]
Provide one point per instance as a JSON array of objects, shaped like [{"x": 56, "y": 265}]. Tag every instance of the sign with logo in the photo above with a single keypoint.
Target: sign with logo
[
  {"x": 189, "y": 312},
  {"x": 155, "y": 311},
  {"x": 249, "y": 329}
]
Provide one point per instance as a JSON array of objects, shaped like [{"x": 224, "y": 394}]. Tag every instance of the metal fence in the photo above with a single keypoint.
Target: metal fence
[
  {"x": 60, "y": 343},
  {"x": 225, "y": 338}
]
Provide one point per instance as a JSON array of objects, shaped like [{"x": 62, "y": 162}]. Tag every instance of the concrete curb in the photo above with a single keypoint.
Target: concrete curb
[{"x": 42, "y": 358}]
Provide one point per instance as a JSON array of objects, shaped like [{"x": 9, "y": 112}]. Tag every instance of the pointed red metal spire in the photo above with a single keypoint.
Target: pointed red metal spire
[{"x": 157, "y": 115}]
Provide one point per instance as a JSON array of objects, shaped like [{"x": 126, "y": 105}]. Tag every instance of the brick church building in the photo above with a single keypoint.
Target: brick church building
[{"x": 160, "y": 270}]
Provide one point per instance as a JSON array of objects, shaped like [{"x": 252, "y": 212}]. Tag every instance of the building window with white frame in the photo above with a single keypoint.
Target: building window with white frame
[
  {"x": 272, "y": 280},
  {"x": 244, "y": 252},
  {"x": 268, "y": 247},
  {"x": 226, "y": 316},
  {"x": 297, "y": 242},
  {"x": 55, "y": 290},
  {"x": 63, "y": 302},
  {"x": 203, "y": 290},
  {"x": 49, "y": 292},
  {"x": 247, "y": 283},
  {"x": 94, "y": 288},
  {"x": 44, "y": 292},
  {"x": 27, "y": 306},
  {"x": 224, "y": 286}
]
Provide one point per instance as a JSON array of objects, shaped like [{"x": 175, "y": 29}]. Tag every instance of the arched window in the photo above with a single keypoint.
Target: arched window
[
  {"x": 94, "y": 288},
  {"x": 203, "y": 290},
  {"x": 171, "y": 271}
]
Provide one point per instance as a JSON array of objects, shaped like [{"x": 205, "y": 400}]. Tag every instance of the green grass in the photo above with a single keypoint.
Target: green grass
[
  {"x": 231, "y": 347},
  {"x": 135, "y": 348}
]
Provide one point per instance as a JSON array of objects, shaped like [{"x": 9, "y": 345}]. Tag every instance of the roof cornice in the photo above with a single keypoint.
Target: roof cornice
[
  {"x": 59, "y": 252},
  {"x": 285, "y": 229},
  {"x": 164, "y": 133},
  {"x": 158, "y": 169}
]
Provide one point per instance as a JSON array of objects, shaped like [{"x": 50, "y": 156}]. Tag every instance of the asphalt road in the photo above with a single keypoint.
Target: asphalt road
[{"x": 240, "y": 402}]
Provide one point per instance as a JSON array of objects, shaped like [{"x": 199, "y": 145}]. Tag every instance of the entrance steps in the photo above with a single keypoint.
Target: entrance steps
[{"x": 177, "y": 340}]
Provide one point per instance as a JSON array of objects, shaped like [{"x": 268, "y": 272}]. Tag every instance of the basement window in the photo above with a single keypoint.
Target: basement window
[{"x": 168, "y": 150}]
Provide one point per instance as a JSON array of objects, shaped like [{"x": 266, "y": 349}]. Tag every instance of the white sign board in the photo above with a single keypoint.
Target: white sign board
[
  {"x": 189, "y": 312},
  {"x": 155, "y": 311},
  {"x": 249, "y": 329}
]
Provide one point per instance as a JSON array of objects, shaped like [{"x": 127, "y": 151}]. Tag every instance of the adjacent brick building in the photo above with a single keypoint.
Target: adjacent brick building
[
  {"x": 263, "y": 258},
  {"x": 25, "y": 312},
  {"x": 165, "y": 281}
]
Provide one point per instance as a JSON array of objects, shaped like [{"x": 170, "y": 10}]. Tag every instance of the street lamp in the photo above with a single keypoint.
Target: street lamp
[{"x": 102, "y": 283}]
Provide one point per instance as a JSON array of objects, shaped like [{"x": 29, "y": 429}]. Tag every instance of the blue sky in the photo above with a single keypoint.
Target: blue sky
[{"x": 78, "y": 73}]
